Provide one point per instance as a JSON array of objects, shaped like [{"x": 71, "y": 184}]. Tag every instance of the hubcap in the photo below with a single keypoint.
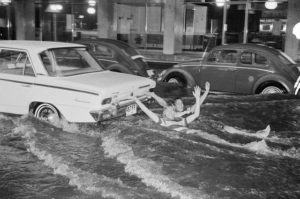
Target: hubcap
[
  {"x": 173, "y": 81},
  {"x": 271, "y": 90}
]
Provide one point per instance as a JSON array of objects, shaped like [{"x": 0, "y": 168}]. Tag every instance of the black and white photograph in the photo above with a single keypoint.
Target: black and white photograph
[{"x": 149, "y": 99}]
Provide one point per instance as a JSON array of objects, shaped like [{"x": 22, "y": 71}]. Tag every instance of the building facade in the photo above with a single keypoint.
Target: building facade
[{"x": 170, "y": 26}]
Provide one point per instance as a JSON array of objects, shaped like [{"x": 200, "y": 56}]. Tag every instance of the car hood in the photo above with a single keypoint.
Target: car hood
[{"x": 110, "y": 82}]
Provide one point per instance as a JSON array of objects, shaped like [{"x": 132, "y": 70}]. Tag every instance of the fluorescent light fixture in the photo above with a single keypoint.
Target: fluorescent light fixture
[
  {"x": 92, "y": 2},
  {"x": 55, "y": 8},
  {"x": 220, "y": 3},
  {"x": 5, "y": 2}
]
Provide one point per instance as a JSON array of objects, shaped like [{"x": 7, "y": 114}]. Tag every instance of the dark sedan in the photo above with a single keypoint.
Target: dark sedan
[
  {"x": 240, "y": 69},
  {"x": 117, "y": 56}
]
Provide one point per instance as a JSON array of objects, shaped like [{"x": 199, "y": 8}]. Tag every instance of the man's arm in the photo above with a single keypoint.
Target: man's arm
[
  {"x": 199, "y": 101},
  {"x": 203, "y": 97},
  {"x": 159, "y": 100},
  {"x": 150, "y": 114}
]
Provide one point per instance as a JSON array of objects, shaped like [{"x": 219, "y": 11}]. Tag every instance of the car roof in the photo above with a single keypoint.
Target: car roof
[
  {"x": 120, "y": 44},
  {"x": 259, "y": 47},
  {"x": 38, "y": 46}
]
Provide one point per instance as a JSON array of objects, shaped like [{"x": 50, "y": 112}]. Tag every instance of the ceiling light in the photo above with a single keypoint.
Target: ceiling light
[
  {"x": 91, "y": 10},
  {"x": 271, "y": 4},
  {"x": 296, "y": 30}
]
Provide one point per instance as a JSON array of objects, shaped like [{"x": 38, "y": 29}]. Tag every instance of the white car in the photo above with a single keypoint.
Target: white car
[{"x": 62, "y": 80}]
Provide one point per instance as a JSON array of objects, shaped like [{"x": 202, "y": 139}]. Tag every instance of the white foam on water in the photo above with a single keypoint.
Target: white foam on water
[
  {"x": 3, "y": 117},
  {"x": 259, "y": 147},
  {"x": 259, "y": 134},
  {"x": 149, "y": 171},
  {"x": 85, "y": 181},
  {"x": 253, "y": 146}
]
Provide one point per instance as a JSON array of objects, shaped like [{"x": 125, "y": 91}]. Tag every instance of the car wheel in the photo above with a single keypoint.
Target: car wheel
[
  {"x": 176, "y": 80},
  {"x": 272, "y": 89},
  {"x": 47, "y": 112}
]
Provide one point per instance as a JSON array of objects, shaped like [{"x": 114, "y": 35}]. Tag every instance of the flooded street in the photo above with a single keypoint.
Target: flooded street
[{"x": 134, "y": 158}]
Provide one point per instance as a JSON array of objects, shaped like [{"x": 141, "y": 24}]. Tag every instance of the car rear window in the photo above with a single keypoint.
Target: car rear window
[{"x": 68, "y": 61}]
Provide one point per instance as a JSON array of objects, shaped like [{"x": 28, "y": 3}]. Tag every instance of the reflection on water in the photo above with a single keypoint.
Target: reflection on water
[{"x": 133, "y": 158}]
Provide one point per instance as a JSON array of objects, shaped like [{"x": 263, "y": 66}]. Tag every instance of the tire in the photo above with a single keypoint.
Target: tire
[
  {"x": 47, "y": 112},
  {"x": 272, "y": 89},
  {"x": 176, "y": 80}
]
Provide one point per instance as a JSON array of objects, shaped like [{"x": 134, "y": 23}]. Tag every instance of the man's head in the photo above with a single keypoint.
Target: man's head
[{"x": 179, "y": 106}]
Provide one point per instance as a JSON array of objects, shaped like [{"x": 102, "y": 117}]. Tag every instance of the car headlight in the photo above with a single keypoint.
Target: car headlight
[
  {"x": 106, "y": 101},
  {"x": 161, "y": 74}
]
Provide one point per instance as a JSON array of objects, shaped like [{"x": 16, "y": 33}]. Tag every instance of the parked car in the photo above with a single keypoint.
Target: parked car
[
  {"x": 239, "y": 69},
  {"x": 117, "y": 56},
  {"x": 62, "y": 80}
]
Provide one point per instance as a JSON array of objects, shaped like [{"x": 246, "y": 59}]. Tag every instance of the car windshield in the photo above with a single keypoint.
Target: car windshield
[{"x": 69, "y": 61}]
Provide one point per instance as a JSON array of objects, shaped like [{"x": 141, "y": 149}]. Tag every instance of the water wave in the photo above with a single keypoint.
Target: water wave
[
  {"x": 149, "y": 171},
  {"x": 86, "y": 182}
]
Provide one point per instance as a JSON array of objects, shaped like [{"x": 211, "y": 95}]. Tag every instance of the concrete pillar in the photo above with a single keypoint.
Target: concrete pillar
[
  {"x": 105, "y": 17},
  {"x": 291, "y": 42},
  {"x": 25, "y": 19},
  {"x": 173, "y": 26}
]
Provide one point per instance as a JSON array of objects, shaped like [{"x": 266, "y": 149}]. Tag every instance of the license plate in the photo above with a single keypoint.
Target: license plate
[{"x": 131, "y": 109}]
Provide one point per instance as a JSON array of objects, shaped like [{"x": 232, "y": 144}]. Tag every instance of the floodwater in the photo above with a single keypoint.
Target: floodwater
[{"x": 133, "y": 158}]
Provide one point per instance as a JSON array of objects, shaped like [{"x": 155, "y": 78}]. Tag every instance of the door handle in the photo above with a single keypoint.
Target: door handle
[{"x": 26, "y": 85}]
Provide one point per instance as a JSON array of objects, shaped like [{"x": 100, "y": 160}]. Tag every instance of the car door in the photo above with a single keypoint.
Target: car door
[
  {"x": 252, "y": 65},
  {"x": 16, "y": 81},
  {"x": 219, "y": 69}
]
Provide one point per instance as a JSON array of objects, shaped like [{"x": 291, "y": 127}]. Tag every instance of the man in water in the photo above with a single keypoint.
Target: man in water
[{"x": 172, "y": 116}]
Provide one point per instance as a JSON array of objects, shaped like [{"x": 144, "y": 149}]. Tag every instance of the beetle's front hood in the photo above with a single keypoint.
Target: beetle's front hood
[
  {"x": 108, "y": 82},
  {"x": 189, "y": 63}
]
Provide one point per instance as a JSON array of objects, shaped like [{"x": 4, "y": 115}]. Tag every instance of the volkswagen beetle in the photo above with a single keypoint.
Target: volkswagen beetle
[{"x": 239, "y": 69}]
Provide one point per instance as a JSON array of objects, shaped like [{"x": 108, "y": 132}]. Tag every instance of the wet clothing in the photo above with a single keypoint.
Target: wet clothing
[{"x": 175, "y": 127}]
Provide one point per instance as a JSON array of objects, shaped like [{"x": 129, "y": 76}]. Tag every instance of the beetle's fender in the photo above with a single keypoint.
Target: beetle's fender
[
  {"x": 119, "y": 68},
  {"x": 273, "y": 78},
  {"x": 180, "y": 72}
]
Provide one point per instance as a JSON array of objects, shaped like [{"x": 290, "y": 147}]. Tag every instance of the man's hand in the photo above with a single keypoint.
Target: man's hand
[
  {"x": 207, "y": 86},
  {"x": 197, "y": 92}
]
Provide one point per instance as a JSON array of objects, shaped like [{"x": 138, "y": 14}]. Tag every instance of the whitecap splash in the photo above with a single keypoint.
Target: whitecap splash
[
  {"x": 149, "y": 171},
  {"x": 259, "y": 134},
  {"x": 85, "y": 181}
]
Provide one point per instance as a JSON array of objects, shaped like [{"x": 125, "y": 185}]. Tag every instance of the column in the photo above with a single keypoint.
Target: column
[
  {"x": 291, "y": 42},
  {"x": 105, "y": 17},
  {"x": 173, "y": 26},
  {"x": 25, "y": 19}
]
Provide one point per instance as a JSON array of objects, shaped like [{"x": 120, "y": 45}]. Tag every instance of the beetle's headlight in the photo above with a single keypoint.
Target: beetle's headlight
[{"x": 106, "y": 101}]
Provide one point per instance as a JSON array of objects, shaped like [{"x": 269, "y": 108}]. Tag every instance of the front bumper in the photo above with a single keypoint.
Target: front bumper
[{"x": 113, "y": 111}]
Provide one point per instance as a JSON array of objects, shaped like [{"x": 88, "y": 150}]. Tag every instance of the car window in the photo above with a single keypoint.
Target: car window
[
  {"x": 246, "y": 58},
  {"x": 223, "y": 56},
  {"x": 260, "y": 60},
  {"x": 103, "y": 51},
  {"x": 15, "y": 62},
  {"x": 252, "y": 58}
]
